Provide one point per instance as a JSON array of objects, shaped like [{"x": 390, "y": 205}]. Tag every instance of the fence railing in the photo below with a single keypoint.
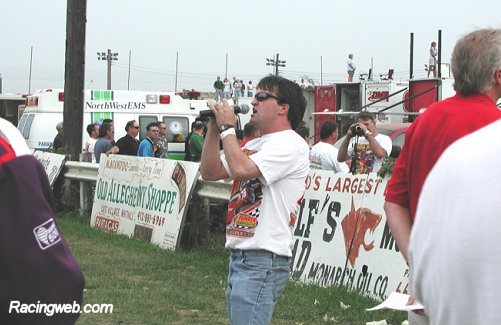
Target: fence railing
[{"x": 88, "y": 172}]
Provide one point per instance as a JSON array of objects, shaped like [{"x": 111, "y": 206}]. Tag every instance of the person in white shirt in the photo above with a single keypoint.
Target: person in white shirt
[
  {"x": 93, "y": 131},
  {"x": 323, "y": 155},
  {"x": 269, "y": 176},
  {"x": 363, "y": 147},
  {"x": 351, "y": 67},
  {"x": 432, "y": 64}
]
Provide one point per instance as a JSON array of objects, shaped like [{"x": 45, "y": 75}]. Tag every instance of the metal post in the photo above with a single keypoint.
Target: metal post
[
  {"x": 31, "y": 61},
  {"x": 411, "y": 63},
  {"x": 439, "y": 75},
  {"x": 321, "y": 72},
  {"x": 276, "y": 66},
  {"x": 226, "y": 69},
  {"x": 177, "y": 61},
  {"x": 108, "y": 59},
  {"x": 128, "y": 77}
]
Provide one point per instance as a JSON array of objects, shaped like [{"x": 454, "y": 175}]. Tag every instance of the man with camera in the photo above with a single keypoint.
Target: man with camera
[{"x": 363, "y": 147}]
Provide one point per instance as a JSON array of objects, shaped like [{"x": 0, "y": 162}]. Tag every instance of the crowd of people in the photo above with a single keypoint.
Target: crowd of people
[
  {"x": 237, "y": 88},
  {"x": 445, "y": 223}
]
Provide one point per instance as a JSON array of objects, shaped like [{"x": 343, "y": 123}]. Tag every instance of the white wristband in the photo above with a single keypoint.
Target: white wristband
[
  {"x": 228, "y": 132},
  {"x": 367, "y": 133}
]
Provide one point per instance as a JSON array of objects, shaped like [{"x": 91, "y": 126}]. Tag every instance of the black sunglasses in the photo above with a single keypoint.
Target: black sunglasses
[{"x": 261, "y": 97}]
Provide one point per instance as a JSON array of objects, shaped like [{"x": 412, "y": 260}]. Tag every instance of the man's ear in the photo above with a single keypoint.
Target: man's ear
[{"x": 284, "y": 109}]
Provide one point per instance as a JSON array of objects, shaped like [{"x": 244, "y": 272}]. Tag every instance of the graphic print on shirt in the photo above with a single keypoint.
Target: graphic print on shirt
[
  {"x": 365, "y": 158},
  {"x": 243, "y": 207}
]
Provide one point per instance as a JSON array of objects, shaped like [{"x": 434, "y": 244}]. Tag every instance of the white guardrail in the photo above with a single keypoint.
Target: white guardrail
[{"x": 84, "y": 171}]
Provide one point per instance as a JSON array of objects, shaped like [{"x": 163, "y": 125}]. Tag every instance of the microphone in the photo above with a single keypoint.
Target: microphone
[{"x": 243, "y": 109}]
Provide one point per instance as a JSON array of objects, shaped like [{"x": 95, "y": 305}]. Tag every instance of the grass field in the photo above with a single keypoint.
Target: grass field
[{"x": 148, "y": 285}]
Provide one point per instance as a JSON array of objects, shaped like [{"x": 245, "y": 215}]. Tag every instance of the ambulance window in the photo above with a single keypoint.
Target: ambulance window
[
  {"x": 143, "y": 122},
  {"x": 22, "y": 123},
  {"x": 177, "y": 128},
  {"x": 26, "y": 127}
]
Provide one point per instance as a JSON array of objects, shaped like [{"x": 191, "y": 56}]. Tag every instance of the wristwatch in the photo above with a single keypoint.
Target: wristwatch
[{"x": 224, "y": 127}]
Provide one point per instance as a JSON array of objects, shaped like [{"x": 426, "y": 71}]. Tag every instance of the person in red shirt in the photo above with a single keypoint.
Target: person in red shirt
[{"x": 476, "y": 65}]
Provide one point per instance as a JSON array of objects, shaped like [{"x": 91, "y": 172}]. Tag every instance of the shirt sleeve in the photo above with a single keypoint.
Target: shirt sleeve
[
  {"x": 276, "y": 160},
  {"x": 385, "y": 142}
]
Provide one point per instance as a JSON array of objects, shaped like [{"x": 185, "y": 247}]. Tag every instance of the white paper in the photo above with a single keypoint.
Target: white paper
[{"x": 397, "y": 301}]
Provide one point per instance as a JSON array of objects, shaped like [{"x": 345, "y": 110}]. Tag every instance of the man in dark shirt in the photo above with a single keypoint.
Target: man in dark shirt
[
  {"x": 58, "y": 140},
  {"x": 129, "y": 144}
]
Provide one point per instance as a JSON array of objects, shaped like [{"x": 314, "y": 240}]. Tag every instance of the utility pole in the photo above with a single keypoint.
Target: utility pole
[
  {"x": 74, "y": 77},
  {"x": 275, "y": 62},
  {"x": 108, "y": 57}
]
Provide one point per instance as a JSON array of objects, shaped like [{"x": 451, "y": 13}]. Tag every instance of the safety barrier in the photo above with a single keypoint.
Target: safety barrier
[{"x": 84, "y": 171}]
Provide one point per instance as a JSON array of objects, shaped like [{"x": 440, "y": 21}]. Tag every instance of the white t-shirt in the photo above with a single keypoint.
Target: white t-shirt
[
  {"x": 324, "y": 156},
  {"x": 351, "y": 65},
  {"x": 91, "y": 142},
  {"x": 262, "y": 212},
  {"x": 367, "y": 162},
  {"x": 454, "y": 246}
]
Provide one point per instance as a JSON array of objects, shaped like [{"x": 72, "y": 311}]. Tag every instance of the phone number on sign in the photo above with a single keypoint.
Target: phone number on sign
[{"x": 148, "y": 218}]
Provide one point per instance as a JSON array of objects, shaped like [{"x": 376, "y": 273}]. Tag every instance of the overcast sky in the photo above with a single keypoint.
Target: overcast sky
[{"x": 203, "y": 32}]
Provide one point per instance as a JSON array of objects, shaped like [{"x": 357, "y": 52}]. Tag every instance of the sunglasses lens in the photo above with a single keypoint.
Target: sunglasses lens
[{"x": 262, "y": 97}]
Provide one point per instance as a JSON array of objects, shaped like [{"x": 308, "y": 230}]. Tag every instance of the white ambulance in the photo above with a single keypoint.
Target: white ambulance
[{"x": 44, "y": 109}]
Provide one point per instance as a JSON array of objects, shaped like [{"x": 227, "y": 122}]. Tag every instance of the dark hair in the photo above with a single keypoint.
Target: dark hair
[
  {"x": 150, "y": 125},
  {"x": 303, "y": 131},
  {"x": 103, "y": 129},
  {"x": 364, "y": 116},
  {"x": 129, "y": 125},
  {"x": 289, "y": 93},
  {"x": 240, "y": 134},
  {"x": 249, "y": 130},
  {"x": 326, "y": 129},
  {"x": 198, "y": 126},
  {"x": 91, "y": 128},
  {"x": 107, "y": 120}
]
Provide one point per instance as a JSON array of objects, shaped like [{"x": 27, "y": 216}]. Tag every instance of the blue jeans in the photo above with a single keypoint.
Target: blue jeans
[{"x": 257, "y": 278}]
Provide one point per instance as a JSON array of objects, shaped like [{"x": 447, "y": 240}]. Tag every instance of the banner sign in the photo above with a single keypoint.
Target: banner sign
[
  {"x": 144, "y": 198},
  {"x": 52, "y": 162},
  {"x": 342, "y": 238}
]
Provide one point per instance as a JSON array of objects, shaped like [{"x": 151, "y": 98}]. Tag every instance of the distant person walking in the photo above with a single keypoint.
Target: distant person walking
[
  {"x": 218, "y": 87},
  {"x": 59, "y": 140},
  {"x": 432, "y": 64},
  {"x": 351, "y": 67}
]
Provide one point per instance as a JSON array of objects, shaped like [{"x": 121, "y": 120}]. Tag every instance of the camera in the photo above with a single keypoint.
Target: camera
[{"x": 357, "y": 130}]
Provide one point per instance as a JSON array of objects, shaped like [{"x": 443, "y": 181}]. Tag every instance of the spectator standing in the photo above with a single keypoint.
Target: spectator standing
[
  {"x": 103, "y": 144},
  {"x": 147, "y": 147},
  {"x": 250, "y": 89},
  {"x": 197, "y": 141},
  {"x": 162, "y": 142},
  {"x": 238, "y": 88},
  {"x": 250, "y": 133},
  {"x": 227, "y": 88},
  {"x": 476, "y": 65},
  {"x": 93, "y": 131},
  {"x": 59, "y": 140},
  {"x": 351, "y": 67},
  {"x": 366, "y": 149},
  {"x": 323, "y": 155},
  {"x": 432, "y": 62},
  {"x": 129, "y": 144},
  {"x": 304, "y": 132},
  {"x": 269, "y": 182},
  {"x": 218, "y": 87},
  {"x": 242, "y": 89}
]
